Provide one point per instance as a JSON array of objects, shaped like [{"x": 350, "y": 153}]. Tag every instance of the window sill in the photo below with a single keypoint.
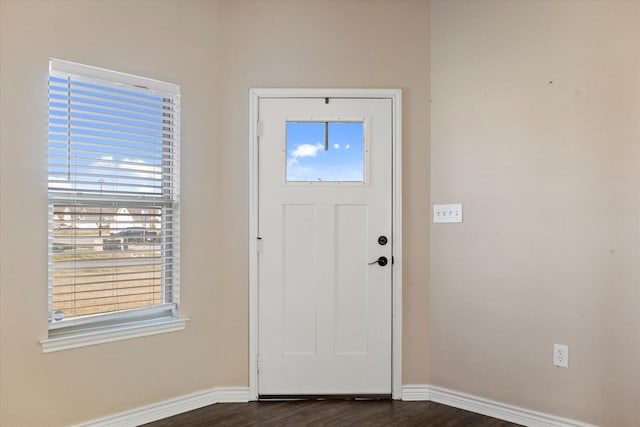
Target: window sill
[{"x": 112, "y": 333}]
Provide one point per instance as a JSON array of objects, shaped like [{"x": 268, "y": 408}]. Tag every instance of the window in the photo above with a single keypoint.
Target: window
[
  {"x": 325, "y": 151},
  {"x": 113, "y": 187}
]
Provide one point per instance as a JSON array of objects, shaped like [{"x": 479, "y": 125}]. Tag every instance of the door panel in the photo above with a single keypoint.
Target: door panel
[
  {"x": 299, "y": 260},
  {"x": 324, "y": 312},
  {"x": 350, "y": 305}
]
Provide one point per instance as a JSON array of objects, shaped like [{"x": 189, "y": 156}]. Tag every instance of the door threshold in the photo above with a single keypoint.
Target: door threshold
[{"x": 291, "y": 397}]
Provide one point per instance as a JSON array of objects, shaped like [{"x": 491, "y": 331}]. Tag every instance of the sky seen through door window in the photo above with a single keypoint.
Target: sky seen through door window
[{"x": 337, "y": 158}]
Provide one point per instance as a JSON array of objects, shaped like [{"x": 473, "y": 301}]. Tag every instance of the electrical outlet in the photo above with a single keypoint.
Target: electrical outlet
[{"x": 561, "y": 355}]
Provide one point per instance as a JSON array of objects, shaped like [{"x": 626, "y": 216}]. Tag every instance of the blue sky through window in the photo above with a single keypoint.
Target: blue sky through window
[{"x": 310, "y": 159}]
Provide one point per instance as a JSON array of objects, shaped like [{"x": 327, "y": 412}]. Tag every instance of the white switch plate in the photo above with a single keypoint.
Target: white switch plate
[{"x": 447, "y": 213}]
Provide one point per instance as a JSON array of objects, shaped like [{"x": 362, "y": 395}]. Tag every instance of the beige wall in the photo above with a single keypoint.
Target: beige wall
[
  {"x": 536, "y": 130},
  {"x": 216, "y": 50}
]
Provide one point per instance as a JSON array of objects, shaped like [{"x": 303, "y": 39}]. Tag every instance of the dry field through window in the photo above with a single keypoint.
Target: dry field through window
[{"x": 88, "y": 279}]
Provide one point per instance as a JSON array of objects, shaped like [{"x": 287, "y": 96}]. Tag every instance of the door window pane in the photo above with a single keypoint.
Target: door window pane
[{"x": 325, "y": 151}]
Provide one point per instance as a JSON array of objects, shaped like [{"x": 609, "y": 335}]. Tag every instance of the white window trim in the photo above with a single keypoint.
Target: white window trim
[
  {"x": 81, "y": 331},
  {"x": 113, "y": 333},
  {"x": 99, "y": 73}
]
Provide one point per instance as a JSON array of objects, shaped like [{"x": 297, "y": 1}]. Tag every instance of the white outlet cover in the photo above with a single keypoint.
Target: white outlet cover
[
  {"x": 561, "y": 355},
  {"x": 447, "y": 213}
]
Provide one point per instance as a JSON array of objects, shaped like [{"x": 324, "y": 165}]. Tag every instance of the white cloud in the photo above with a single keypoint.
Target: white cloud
[
  {"x": 336, "y": 146},
  {"x": 306, "y": 150},
  {"x": 141, "y": 169},
  {"x": 141, "y": 176},
  {"x": 59, "y": 182},
  {"x": 105, "y": 162},
  {"x": 127, "y": 171},
  {"x": 346, "y": 147}
]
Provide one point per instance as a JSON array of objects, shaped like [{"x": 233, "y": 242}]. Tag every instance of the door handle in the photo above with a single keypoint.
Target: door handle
[{"x": 382, "y": 261}]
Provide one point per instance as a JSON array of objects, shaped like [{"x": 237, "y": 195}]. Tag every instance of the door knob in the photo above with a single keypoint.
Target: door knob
[{"x": 382, "y": 261}]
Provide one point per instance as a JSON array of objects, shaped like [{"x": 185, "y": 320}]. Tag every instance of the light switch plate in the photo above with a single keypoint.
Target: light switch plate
[{"x": 447, "y": 213}]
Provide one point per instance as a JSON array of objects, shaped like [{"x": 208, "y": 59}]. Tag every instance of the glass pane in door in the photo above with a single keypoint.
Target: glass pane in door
[{"x": 325, "y": 152}]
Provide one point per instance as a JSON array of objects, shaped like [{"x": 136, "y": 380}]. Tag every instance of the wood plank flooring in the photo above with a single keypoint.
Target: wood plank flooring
[{"x": 331, "y": 413}]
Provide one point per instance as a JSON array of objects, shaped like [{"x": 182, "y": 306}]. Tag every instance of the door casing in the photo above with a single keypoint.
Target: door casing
[{"x": 395, "y": 95}]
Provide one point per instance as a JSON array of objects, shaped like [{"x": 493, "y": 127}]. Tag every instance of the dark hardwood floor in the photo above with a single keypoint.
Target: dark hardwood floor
[{"x": 331, "y": 413}]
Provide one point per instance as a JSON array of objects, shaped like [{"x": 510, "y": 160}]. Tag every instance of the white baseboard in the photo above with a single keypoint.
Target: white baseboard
[
  {"x": 415, "y": 392},
  {"x": 170, "y": 407},
  {"x": 487, "y": 407}
]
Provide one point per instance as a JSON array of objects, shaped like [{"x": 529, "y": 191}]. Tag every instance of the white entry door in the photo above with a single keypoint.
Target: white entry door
[{"x": 325, "y": 205}]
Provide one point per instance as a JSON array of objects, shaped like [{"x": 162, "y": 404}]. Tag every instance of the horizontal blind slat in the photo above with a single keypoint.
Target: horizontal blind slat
[{"x": 59, "y": 154}]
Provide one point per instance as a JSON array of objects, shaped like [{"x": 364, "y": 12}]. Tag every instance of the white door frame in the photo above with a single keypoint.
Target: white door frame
[{"x": 395, "y": 95}]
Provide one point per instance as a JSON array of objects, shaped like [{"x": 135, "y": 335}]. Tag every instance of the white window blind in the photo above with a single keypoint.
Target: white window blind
[{"x": 113, "y": 186}]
